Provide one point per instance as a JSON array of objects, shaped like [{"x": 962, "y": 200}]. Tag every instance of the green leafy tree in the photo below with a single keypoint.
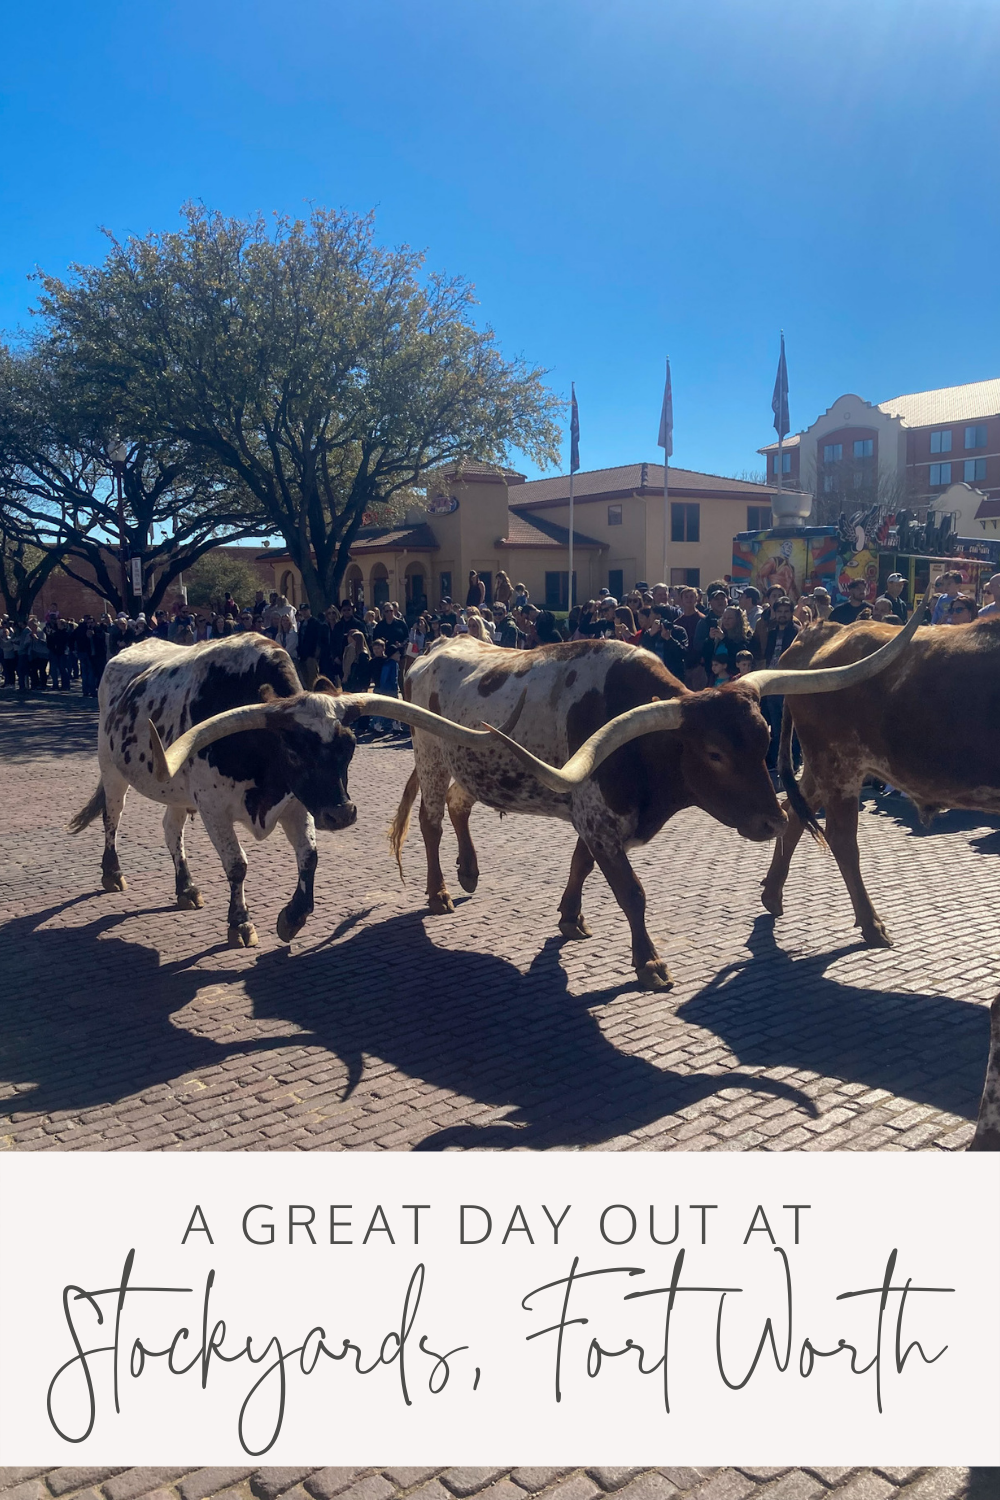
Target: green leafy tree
[
  {"x": 218, "y": 573},
  {"x": 58, "y": 490},
  {"x": 326, "y": 373}
]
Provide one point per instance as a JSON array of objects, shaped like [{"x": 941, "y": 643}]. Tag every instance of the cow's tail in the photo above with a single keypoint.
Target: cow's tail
[
  {"x": 786, "y": 769},
  {"x": 400, "y": 826},
  {"x": 87, "y": 814}
]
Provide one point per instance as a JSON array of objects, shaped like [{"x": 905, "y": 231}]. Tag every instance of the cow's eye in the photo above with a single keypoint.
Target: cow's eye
[{"x": 715, "y": 756}]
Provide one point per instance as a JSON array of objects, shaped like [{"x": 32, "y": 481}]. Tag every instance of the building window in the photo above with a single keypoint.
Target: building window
[
  {"x": 941, "y": 441},
  {"x": 557, "y": 590},
  {"x": 833, "y": 453},
  {"x": 940, "y": 474},
  {"x": 786, "y": 463},
  {"x": 864, "y": 447},
  {"x": 614, "y": 515},
  {"x": 616, "y": 582},
  {"x": 681, "y": 578},
  {"x": 685, "y": 522},
  {"x": 829, "y": 484},
  {"x": 758, "y": 518},
  {"x": 975, "y": 437},
  {"x": 975, "y": 468}
]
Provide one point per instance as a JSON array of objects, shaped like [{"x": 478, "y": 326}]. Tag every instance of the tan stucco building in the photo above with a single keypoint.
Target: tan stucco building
[{"x": 487, "y": 518}]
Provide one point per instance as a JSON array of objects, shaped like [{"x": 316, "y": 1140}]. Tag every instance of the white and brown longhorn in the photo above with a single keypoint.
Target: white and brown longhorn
[
  {"x": 608, "y": 741},
  {"x": 225, "y": 730}
]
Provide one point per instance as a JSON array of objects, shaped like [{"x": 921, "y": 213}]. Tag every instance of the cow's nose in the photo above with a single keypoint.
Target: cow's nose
[{"x": 336, "y": 818}]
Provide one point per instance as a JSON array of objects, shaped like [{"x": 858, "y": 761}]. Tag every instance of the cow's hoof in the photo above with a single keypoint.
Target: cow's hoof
[
  {"x": 440, "y": 905},
  {"x": 243, "y": 936},
  {"x": 189, "y": 900},
  {"x": 876, "y": 936},
  {"x": 114, "y": 882},
  {"x": 654, "y": 976},
  {"x": 574, "y": 927},
  {"x": 466, "y": 881},
  {"x": 772, "y": 902},
  {"x": 287, "y": 928}
]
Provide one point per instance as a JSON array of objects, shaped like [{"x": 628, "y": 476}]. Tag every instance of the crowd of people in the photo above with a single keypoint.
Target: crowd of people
[{"x": 705, "y": 638}]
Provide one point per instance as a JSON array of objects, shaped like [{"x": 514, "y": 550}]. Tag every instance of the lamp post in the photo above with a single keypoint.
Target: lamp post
[{"x": 118, "y": 454}]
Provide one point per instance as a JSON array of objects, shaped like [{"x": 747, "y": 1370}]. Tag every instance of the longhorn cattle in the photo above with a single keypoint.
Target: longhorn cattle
[
  {"x": 929, "y": 725},
  {"x": 634, "y": 744},
  {"x": 224, "y": 729}
]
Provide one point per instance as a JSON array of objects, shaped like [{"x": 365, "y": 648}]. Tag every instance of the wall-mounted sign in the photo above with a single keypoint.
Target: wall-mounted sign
[
  {"x": 137, "y": 575},
  {"x": 442, "y": 505}
]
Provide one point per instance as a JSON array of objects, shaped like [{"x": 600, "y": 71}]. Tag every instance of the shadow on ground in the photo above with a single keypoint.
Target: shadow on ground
[
  {"x": 470, "y": 1023},
  {"x": 902, "y": 811},
  {"x": 29, "y": 727},
  {"x": 778, "y": 1011}
]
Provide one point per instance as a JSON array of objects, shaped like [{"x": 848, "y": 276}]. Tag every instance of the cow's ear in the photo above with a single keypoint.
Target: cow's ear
[
  {"x": 324, "y": 685},
  {"x": 267, "y": 693}
]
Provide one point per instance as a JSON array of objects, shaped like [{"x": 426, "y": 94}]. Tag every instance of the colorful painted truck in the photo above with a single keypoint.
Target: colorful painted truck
[{"x": 799, "y": 559}]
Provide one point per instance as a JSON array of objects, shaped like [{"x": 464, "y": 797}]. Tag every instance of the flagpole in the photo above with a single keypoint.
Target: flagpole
[
  {"x": 781, "y": 437},
  {"x": 569, "y": 585},
  {"x": 666, "y": 516}
]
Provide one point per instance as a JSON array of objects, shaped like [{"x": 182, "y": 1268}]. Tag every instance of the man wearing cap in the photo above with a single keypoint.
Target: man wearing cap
[
  {"x": 894, "y": 585},
  {"x": 717, "y": 595}
]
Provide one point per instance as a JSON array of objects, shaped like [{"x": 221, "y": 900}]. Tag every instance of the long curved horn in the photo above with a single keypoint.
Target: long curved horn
[
  {"x": 422, "y": 718},
  {"x": 776, "y": 680},
  {"x": 167, "y": 760},
  {"x": 648, "y": 718}
]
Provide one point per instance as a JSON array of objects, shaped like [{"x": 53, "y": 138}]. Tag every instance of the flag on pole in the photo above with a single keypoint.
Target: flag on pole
[
  {"x": 666, "y": 437},
  {"x": 779, "y": 401},
  {"x": 574, "y": 433}
]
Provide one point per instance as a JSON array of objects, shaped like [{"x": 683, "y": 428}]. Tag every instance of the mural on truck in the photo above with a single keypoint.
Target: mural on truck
[{"x": 815, "y": 555}]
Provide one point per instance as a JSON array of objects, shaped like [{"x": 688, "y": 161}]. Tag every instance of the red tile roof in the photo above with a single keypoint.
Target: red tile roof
[
  {"x": 534, "y": 531},
  {"x": 602, "y": 484},
  {"x": 395, "y": 539}
]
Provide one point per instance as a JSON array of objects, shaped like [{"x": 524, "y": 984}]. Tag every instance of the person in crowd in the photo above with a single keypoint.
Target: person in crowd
[
  {"x": 895, "y": 585},
  {"x": 386, "y": 679},
  {"x": 92, "y": 646},
  {"x": 476, "y": 592},
  {"x": 416, "y": 640},
  {"x": 58, "y": 637},
  {"x": 8, "y": 644},
  {"x": 391, "y": 629},
  {"x": 521, "y": 595},
  {"x": 546, "y": 629},
  {"x": 490, "y": 623},
  {"x": 744, "y": 663},
  {"x": 259, "y": 605},
  {"x": 948, "y": 587},
  {"x": 307, "y": 648},
  {"x": 510, "y": 635},
  {"x": 848, "y": 612},
  {"x": 689, "y": 619},
  {"x": 961, "y": 611},
  {"x": 804, "y": 614},
  {"x": 882, "y": 609},
  {"x": 751, "y": 606},
  {"x": 118, "y": 635},
  {"x": 246, "y": 624},
  {"x": 503, "y": 590},
  {"x": 717, "y": 595},
  {"x": 821, "y": 602},
  {"x": 781, "y": 633},
  {"x": 625, "y": 626},
  {"x": 229, "y": 605},
  {"x": 991, "y": 592},
  {"x": 666, "y": 641},
  {"x": 728, "y": 635},
  {"x": 286, "y": 635}
]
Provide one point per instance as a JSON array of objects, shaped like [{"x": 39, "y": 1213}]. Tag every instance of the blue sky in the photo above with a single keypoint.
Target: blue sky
[{"x": 619, "y": 180}]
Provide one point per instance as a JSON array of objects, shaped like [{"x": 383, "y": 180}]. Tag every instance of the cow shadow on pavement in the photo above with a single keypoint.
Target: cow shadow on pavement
[
  {"x": 87, "y": 1014},
  {"x": 775, "y": 1010},
  {"x": 474, "y": 1024}
]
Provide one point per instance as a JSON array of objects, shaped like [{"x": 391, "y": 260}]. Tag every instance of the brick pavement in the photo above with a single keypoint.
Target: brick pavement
[
  {"x": 129, "y": 1025},
  {"x": 509, "y": 1483}
]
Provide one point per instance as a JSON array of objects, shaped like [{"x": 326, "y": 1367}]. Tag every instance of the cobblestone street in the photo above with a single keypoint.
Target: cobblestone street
[
  {"x": 500, "y": 1484},
  {"x": 130, "y": 1025}
]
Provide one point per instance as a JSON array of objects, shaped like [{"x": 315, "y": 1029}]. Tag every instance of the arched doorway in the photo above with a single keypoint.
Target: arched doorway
[
  {"x": 379, "y": 584},
  {"x": 416, "y": 590},
  {"x": 287, "y": 586},
  {"x": 354, "y": 586}
]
